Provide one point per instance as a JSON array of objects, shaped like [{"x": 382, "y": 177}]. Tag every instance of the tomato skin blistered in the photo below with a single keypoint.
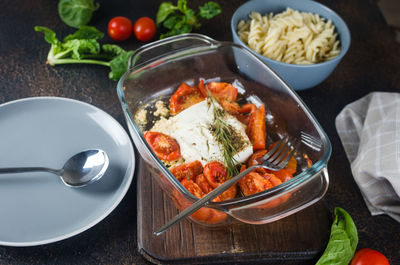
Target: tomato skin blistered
[{"x": 165, "y": 147}]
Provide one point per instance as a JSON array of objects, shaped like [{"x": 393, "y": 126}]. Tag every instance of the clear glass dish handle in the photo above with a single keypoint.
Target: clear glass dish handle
[{"x": 152, "y": 51}]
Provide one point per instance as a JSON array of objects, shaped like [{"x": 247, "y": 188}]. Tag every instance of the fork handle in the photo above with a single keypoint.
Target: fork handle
[{"x": 204, "y": 201}]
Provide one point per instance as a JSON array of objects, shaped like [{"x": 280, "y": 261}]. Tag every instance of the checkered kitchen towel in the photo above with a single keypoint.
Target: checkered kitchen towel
[{"x": 369, "y": 129}]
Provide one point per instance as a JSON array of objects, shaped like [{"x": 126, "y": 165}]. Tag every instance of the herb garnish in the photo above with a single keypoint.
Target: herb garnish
[{"x": 223, "y": 134}]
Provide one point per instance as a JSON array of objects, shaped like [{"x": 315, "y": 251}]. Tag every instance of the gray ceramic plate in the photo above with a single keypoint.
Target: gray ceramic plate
[{"x": 37, "y": 208}]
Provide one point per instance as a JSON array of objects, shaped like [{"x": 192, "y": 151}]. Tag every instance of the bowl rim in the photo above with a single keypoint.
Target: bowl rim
[{"x": 345, "y": 33}]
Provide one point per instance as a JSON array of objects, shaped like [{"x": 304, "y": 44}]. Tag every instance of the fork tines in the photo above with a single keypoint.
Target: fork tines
[{"x": 281, "y": 153}]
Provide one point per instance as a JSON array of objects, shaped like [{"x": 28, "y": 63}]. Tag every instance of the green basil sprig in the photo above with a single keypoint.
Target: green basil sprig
[
  {"x": 179, "y": 18},
  {"x": 342, "y": 242},
  {"x": 83, "y": 47},
  {"x": 76, "y": 13}
]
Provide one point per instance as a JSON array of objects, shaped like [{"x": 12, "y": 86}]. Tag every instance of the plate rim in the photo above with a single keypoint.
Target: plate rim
[{"x": 129, "y": 175}]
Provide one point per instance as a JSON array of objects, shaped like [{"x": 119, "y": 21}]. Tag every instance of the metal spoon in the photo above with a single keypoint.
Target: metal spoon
[{"x": 80, "y": 170}]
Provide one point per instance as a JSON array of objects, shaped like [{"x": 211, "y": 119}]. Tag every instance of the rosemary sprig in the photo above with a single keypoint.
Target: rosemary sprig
[{"x": 223, "y": 135}]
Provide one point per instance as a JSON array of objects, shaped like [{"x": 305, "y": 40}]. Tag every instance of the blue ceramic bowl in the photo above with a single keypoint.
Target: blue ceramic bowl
[{"x": 298, "y": 77}]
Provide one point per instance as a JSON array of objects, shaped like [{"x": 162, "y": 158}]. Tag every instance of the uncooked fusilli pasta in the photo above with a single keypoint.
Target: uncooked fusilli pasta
[{"x": 290, "y": 36}]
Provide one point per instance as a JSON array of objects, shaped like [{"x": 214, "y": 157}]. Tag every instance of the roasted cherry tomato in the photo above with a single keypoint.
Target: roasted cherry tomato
[
  {"x": 215, "y": 173},
  {"x": 253, "y": 183},
  {"x": 243, "y": 118},
  {"x": 192, "y": 187},
  {"x": 229, "y": 193},
  {"x": 222, "y": 91},
  {"x": 367, "y": 256},
  {"x": 165, "y": 147},
  {"x": 203, "y": 183},
  {"x": 230, "y": 106},
  {"x": 256, "y": 159},
  {"x": 256, "y": 128},
  {"x": 206, "y": 215},
  {"x": 120, "y": 28},
  {"x": 144, "y": 29},
  {"x": 187, "y": 171},
  {"x": 206, "y": 188},
  {"x": 247, "y": 108},
  {"x": 184, "y": 97},
  {"x": 283, "y": 174},
  {"x": 272, "y": 179},
  {"x": 202, "y": 88}
]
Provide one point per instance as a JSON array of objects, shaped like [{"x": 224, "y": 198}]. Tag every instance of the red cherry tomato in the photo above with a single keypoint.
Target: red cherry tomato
[
  {"x": 256, "y": 128},
  {"x": 367, "y": 256},
  {"x": 165, "y": 147},
  {"x": 215, "y": 173},
  {"x": 120, "y": 28},
  {"x": 192, "y": 187},
  {"x": 206, "y": 215},
  {"x": 187, "y": 171},
  {"x": 247, "y": 108},
  {"x": 184, "y": 97},
  {"x": 253, "y": 183},
  {"x": 231, "y": 107},
  {"x": 144, "y": 29},
  {"x": 222, "y": 91},
  {"x": 230, "y": 193},
  {"x": 283, "y": 174}
]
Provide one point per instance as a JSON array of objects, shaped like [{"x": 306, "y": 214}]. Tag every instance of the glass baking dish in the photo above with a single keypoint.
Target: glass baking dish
[{"x": 157, "y": 69}]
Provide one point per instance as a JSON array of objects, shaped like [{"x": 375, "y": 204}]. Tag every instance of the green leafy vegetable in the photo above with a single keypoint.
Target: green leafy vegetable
[
  {"x": 85, "y": 32},
  {"x": 83, "y": 47},
  {"x": 181, "y": 19},
  {"x": 342, "y": 242},
  {"x": 76, "y": 13},
  {"x": 209, "y": 10},
  {"x": 119, "y": 64}
]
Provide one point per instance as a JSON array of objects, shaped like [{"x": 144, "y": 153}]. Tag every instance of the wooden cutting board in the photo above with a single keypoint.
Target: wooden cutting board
[{"x": 297, "y": 239}]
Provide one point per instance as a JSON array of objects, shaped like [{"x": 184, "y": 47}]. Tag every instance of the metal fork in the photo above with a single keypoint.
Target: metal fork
[{"x": 275, "y": 159}]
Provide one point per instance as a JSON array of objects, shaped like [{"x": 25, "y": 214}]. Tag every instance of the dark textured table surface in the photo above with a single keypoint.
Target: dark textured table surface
[{"x": 372, "y": 64}]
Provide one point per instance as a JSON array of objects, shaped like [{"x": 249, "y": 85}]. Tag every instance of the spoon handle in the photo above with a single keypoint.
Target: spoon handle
[{"x": 29, "y": 169}]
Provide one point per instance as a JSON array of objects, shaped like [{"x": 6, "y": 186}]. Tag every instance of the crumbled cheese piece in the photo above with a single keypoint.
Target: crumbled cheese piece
[
  {"x": 161, "y": 109},
  {"x": 141, "y": 117}
]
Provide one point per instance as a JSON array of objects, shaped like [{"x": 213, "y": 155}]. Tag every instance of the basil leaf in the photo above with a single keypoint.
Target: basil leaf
[
  {"x": 191, "y": 19},
  {"x": 49, "y": 35},
  {"x": 165, "y": 9},
  {"x": 172, "y": 21},
  {"x": 182, "y": 6},
  {"x": 181, "y": 19},
  {"x": 342, "y": 242},
  {"x": 112, "y": 49},
  {"x": 119, "y": 65},
  {"x": 179, "y": 28},
  {"x": 82, "y": 47},
  {"x": 76, "y": 13},
  {"x": 209, "y": 10},
  {"x": 85, "y": 32}
]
